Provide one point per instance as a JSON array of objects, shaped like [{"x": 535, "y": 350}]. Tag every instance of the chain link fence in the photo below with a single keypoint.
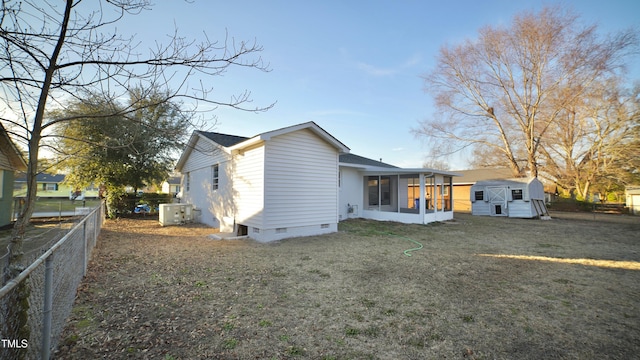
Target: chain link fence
[{"x": 49, "y": 284}]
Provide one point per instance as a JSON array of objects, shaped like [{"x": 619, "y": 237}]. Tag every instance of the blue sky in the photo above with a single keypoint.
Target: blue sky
[{"x": 353, "y": 67}]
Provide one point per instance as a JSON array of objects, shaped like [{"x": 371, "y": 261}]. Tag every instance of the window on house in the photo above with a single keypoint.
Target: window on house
[
  {"x": 447, "y": 186},
  {"x": 516, "y": 194},
  {"x": 50, "y": 187},
  {"x": 379, "y": 189},
  {"x": 479, "y": 195},
  {"x": 215, "y": 172},
  {"x": 413, "y": 192},
  {"x": 187, "y": 181}
]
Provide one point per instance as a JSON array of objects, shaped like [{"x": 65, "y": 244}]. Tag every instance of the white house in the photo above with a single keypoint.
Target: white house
[
  {"x": 171, "y": 185},
  {"x": 632, "y": 199},
  {"x": 299, "y": 181},
  {"x": 519, "y": 197}
]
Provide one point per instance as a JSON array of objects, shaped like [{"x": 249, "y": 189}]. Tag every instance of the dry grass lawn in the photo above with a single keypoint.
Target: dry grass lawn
[{"x": 480, "y": 288}]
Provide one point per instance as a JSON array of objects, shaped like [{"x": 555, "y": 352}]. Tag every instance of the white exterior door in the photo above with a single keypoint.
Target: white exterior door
[{"x": 498, "y": 200}]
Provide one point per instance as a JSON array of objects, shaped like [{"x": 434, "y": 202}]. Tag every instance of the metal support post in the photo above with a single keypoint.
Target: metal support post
[{"x": 45, "y": 351}]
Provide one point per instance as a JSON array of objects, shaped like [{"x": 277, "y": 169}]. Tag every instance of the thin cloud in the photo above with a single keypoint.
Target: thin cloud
[
  {"x": 374, "y": 70},
  {"x": 388, "y": 71}
]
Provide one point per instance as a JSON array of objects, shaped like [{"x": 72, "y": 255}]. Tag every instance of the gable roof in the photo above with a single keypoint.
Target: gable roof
[
  {"x": 361, "y": 160},
  {"x": 173, "y": 180},
  {"x": 223, "y": 139},
  {"x": 234, "y": 142},
  {"x": 266, "y": 136},
  {"x": 511, "y": 181},
  {"x": 43, "y": 178},
  {"x": 11, "y": 152}
]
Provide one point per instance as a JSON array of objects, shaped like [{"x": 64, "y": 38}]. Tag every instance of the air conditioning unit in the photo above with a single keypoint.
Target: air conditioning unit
[{"x": 175, "y": 214}]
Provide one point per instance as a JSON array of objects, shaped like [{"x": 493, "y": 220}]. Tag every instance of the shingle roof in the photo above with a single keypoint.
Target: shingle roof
[
  {"x": 472, "y": 176},
  {"x": 360, "y": 160},
  {"x": 174, "y": 180},
  {"x": 223, "y": 139},
  {"x": 42, "y": 178}
]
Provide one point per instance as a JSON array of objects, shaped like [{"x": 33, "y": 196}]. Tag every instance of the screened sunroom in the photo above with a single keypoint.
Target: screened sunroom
[{"x": 396, "y": 194}]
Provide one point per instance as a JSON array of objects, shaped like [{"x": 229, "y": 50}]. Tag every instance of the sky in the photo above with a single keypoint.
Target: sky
[{"x": 353, "y": 67}]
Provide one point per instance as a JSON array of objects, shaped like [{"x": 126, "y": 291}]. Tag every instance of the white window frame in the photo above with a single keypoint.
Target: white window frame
[{"x": 215, "y": 177}]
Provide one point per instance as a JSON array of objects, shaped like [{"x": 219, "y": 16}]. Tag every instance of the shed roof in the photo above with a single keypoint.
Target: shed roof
[{"x": 512, "y": 181}]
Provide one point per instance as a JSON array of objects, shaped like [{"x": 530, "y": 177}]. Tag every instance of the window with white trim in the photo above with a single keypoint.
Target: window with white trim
[
  {"x": 215, "y": 176},
  {"x": 516, "y": 194}
]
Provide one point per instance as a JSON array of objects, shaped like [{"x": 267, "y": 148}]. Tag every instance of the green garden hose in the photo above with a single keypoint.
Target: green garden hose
[{"x": 408, "y": 251}]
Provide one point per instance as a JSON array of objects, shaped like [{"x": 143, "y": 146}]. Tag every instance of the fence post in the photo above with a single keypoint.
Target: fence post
[
  {"x": 45, "y": 351},
  {"x": 85, "y": 239}
]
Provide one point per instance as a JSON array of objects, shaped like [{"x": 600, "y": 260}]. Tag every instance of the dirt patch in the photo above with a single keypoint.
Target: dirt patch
[{"x": 173, "y": 293}]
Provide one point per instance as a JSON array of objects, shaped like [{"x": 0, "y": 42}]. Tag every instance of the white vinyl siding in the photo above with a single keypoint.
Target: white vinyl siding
[
  {"x": 215, "y": 177},
  {"x": 531, "y": 189},
  {"x": 196, "y": 182},
  {"x": 204, "y": 155},
  {"x": 248, "y": 186},
  {"x": 302, "y": 180}
]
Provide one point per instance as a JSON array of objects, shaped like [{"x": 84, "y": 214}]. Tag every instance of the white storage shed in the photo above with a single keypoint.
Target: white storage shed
[{"x": 519, "y": 198}]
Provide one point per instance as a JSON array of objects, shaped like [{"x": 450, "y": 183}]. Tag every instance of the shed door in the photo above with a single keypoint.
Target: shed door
[{"x": 498, "y": 200}]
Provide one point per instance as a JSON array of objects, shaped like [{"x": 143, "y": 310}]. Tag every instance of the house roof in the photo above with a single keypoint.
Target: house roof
[
  {"x": 9, "y": 149},
  {"x": 233, "y": 142},
  {"x": 173, "y": 180},
  {"x": 370, "y": 166},
  {"x": 470, "y": 177},
  {"x": 42, "y": 178},
  {"x": 360, "y": 160},
  {"x": 223, "y": 139},
  {"x": 266, "y": 136}
]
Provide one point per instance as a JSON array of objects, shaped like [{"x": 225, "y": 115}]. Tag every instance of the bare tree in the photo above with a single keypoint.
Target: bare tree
[
  {"x": 501, "y": 92},
  {"x": 595, "y": 142},
  {"x": 53, "y": 51},
  {"x": 50, "y": 51}
]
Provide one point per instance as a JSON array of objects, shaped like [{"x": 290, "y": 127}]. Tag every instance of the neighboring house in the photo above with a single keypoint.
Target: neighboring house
[
  {"x": 299, "y": 181},
  {"x": 171, "y": 185},
  {"x": 10, "y": 161},
  {"x": 632, "y": 194},
  {"x": 519, "y": 197},
  {"x": 462, "y": 185},
  {"x": 53, "y": 186}
]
